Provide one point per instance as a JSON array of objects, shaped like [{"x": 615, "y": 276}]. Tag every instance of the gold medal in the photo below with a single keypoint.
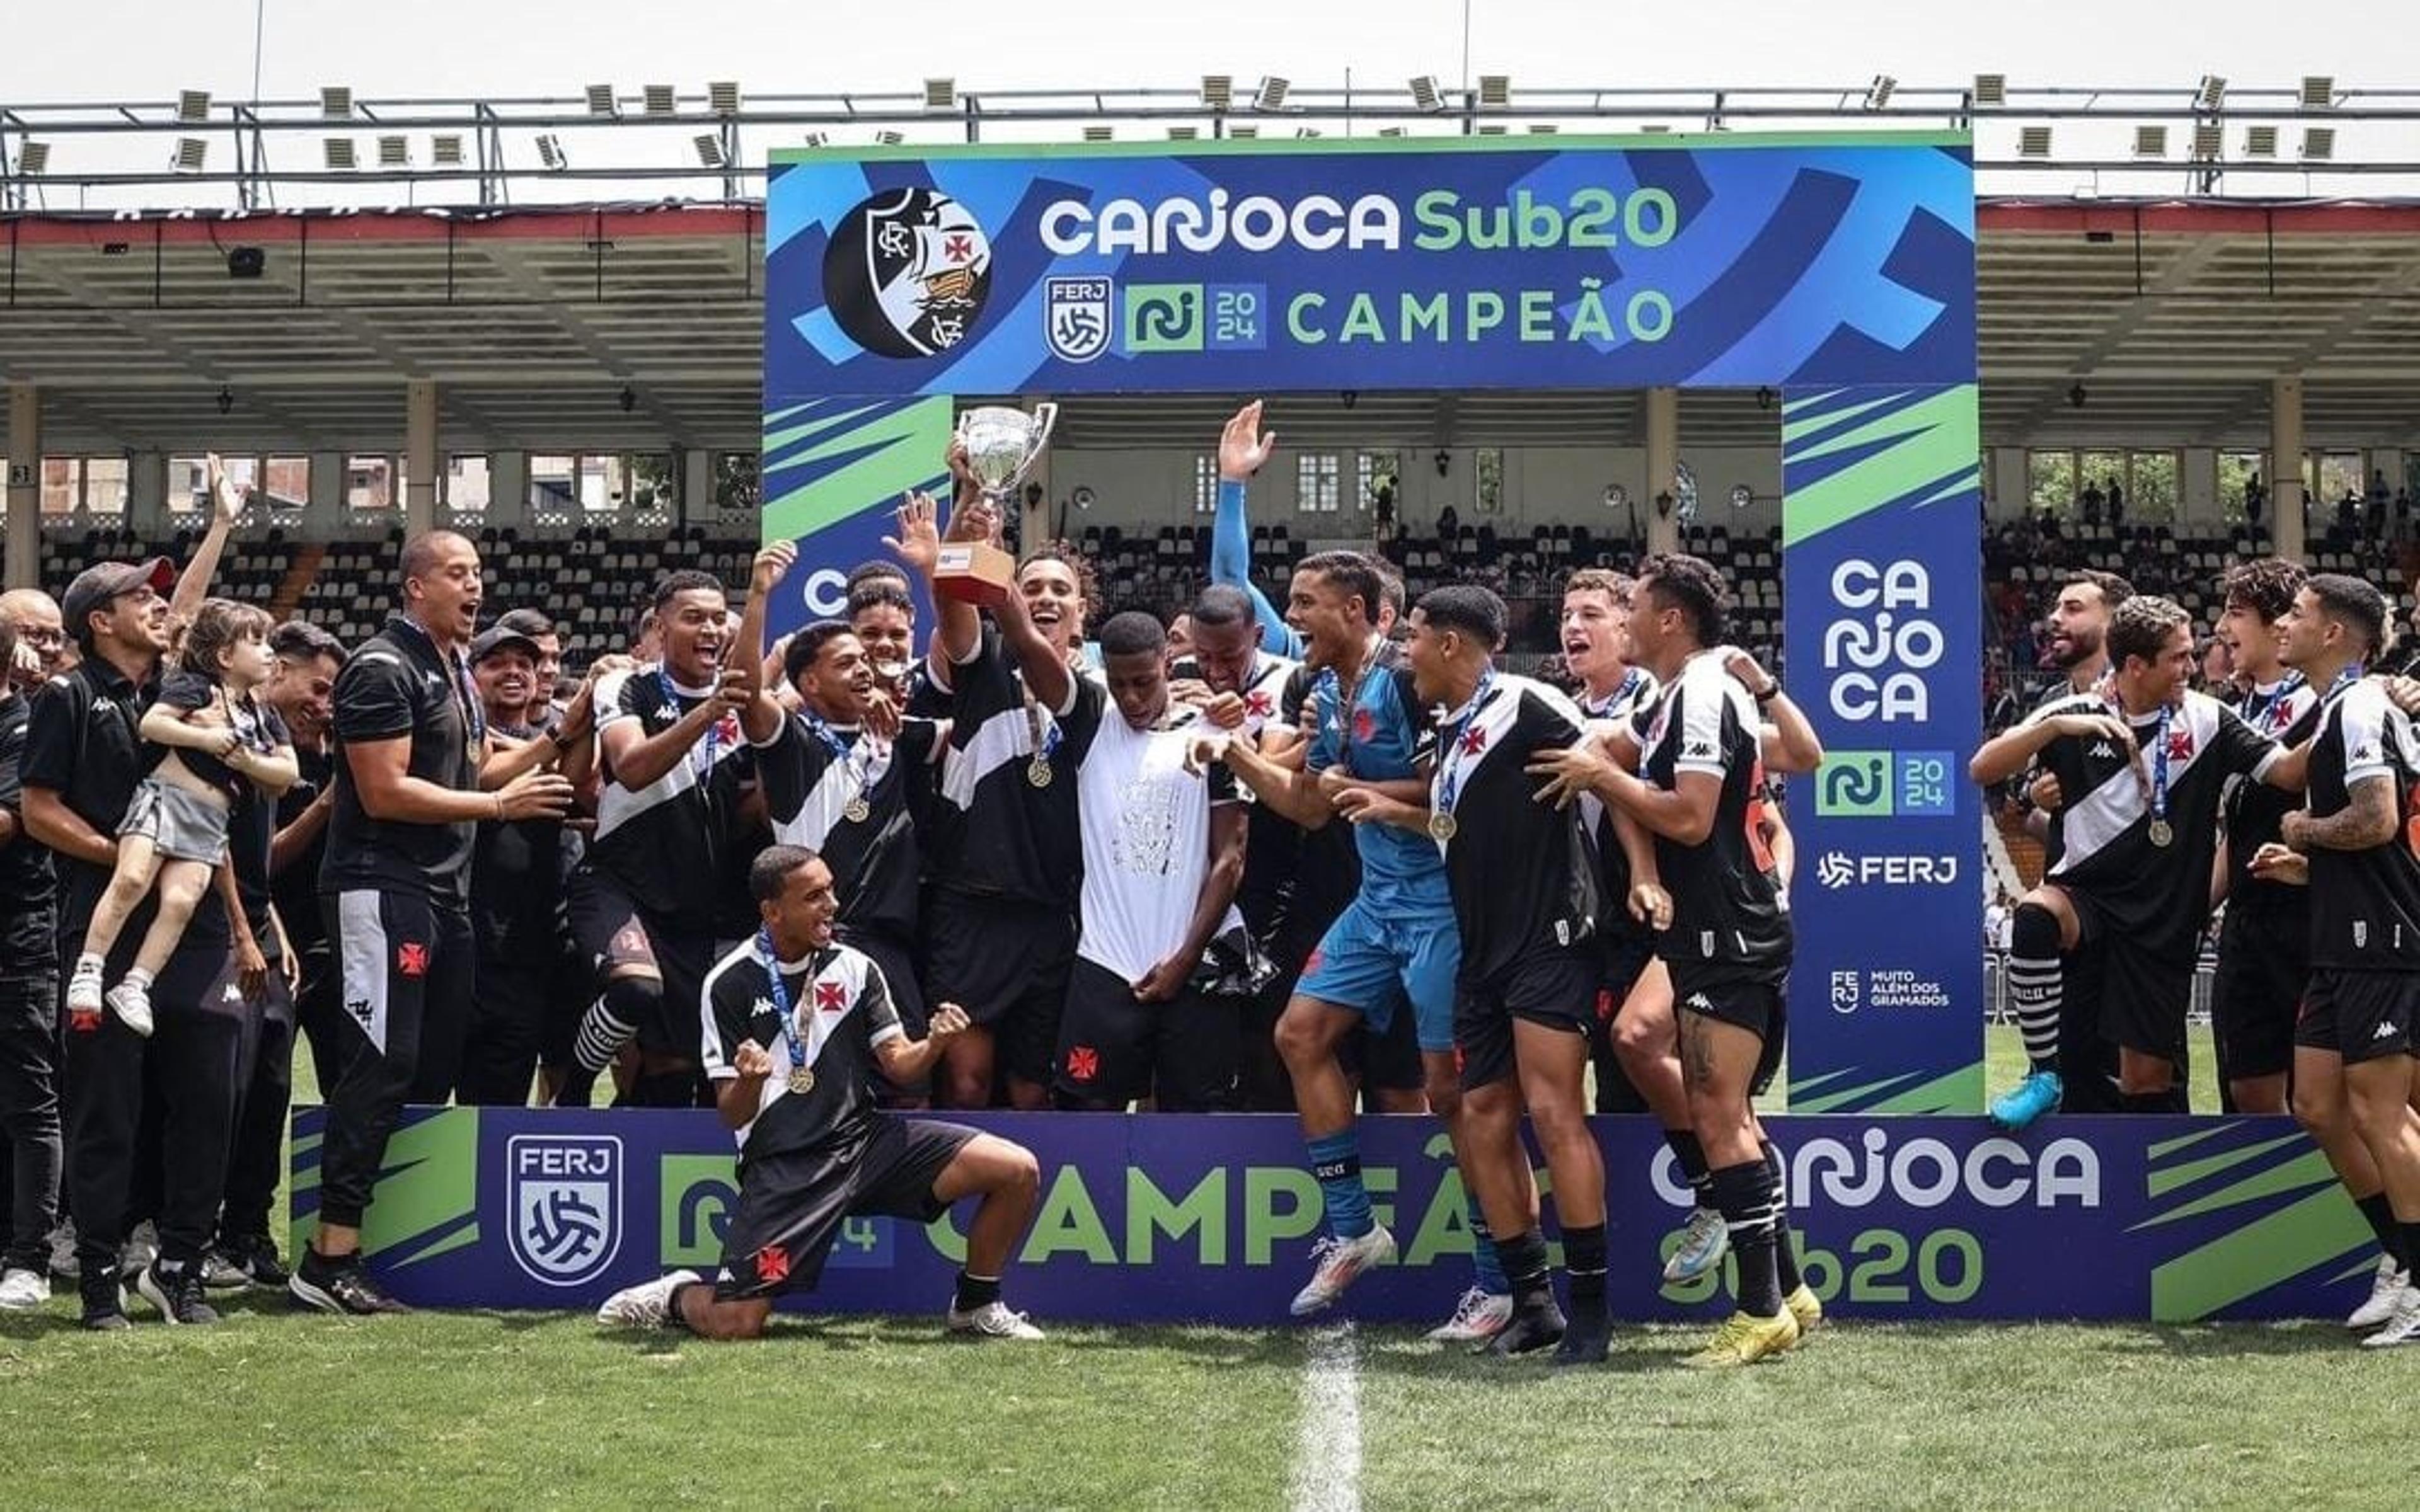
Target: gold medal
[
  {"x": 1037, "y": 772},
  {"x": 802, "y": 1080},
  {"x": 2161, "y": 833},
  {"x": 1442, "y": 827},
  {"x": 857, "y": 812}
]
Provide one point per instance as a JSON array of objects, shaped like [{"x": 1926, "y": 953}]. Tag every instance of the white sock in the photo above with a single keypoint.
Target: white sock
[
  {"x": 138, "y": 979},
  {"x": 89, "y": 965}
]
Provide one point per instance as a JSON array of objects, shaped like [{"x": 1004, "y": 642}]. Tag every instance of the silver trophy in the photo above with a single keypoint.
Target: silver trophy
[{"x": 1002, "y": 444}]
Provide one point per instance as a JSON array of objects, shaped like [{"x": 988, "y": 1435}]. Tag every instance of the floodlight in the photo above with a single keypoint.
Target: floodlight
[
  {"x": 338, "y": 152},
  {"x": 709, "y": 150},
  {"x": 550, "y": 152},
  {"x": 336, "y": 101},
  {"x": 1272, "y": 93},
  {"x": 2319, "y": 144},
  {"x": 33, "y": 159},
  {"x": 1878, "y": 93},
  {"x": 601, "y": 101},
  {"x": 2033, "y": 142},
  {"x": 941, "y": 94},
  {"x": 1496, "y": 90},
  {"x": 1217, "y": 90},
  {"x": 1991, "y": 88},
  {"x": 2318, "y": 91},
  {"x": 191, "y": 151},
  {"x": 661, "y": 99},
  {"x": 1425, "y": 93},
  {"x": 2261, "y": 141},
  {"x": 722, "y": 97},
  {"x": 2208, "y": 143},
  {"x": 446, "y": 150},
  {"x": 2212, "y": 92},
  {"x": 1097, "y": 133},
  {"x": 394, "y": 152},
  {"x": 193, "y": 105},
  {"x": 2150, "y": 141}
]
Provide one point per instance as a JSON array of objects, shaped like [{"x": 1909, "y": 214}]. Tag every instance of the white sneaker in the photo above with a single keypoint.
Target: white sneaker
[
  {"x": 20, "y": 1290},
  {"x": 993, "y": 1320},
  {"x": 84, "y": 993},
  {"x": 2403, "y": 1326},
  {"x": 2389, "y": 1284},
  {"x": 132, "y": 1003},
  {"x": 1703, "y": 1243},
  {"x": 1338, "y": 1263},
  {"x": 645, "y": 1306},
  {"x": 1478, "y": 1318}
]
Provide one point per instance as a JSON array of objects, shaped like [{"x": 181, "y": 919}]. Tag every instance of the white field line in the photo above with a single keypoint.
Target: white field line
[{"x": 1327, "y": 1447}]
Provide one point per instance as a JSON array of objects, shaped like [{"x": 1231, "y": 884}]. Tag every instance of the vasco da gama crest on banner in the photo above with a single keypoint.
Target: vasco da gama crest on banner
[{"x": 907, "y": 273}]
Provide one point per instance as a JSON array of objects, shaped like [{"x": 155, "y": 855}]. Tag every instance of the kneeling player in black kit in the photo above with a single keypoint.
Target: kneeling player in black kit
[{"x": 795, "y": 1030}]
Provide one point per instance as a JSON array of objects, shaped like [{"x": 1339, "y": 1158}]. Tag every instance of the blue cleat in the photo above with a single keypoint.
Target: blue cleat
[{"x": 2021, "y": 1106}]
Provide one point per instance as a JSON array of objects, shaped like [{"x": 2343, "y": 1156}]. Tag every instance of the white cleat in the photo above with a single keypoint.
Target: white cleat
[
  {"x": 132, "y": 1003},
  {"x": 2389, "y": 1284},
  {"x": 993, "y": 1320},
  {"x": 20, "y": 1290},
  {"x": 2402, "y": 1325},
  {"x": 1703, "y": 1243},
  {"x": 1338, "y": 1263},
  {"x": 1478, "y": 1318},
  {"x": 645, "y": 1306}
]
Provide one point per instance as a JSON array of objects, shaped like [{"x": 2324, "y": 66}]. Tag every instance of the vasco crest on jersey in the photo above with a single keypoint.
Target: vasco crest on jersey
[{"x": 907, "y": 272}]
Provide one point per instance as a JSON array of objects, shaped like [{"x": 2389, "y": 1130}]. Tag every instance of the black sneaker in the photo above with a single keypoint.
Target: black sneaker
[
  {"x": 256, "y": 1256},
  {"x": 106, "y": 1318},
  {"x": 1586, "y": 1339},
  {"x": 221, "y": 1271},
  {"x": 1534, "y": 1326},
  {"x": 177, "y": 1294},
  {"x": 104, "y": 1306},
  {"x": 339, "y": 1286}
]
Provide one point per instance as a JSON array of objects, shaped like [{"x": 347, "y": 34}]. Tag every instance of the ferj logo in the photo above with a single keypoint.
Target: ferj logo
[{"x": 566, "y": 1195}]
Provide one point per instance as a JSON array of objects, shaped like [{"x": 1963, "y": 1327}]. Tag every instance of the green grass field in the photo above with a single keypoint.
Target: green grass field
[{"x": 484, "y": 1409}]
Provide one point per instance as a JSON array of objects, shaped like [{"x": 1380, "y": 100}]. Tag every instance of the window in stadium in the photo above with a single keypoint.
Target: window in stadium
[
  {"x": 2236, "y": 470},
  {"x": 649, "y": 482},
  {"x": 1374, "y": 474},
  {"x": 736, "y": 488},
  {"x": 2338, "y": 475},
  {"x": 371, "y": 483},
  {"x": 466, "y": 484},
  {"x": 1487, "y": 480},
  {"x": 2152, "y": 486},
  {"x": 2050, "y": 482},
  {"x": 105, "y": 486},
  {"x": 286, "y": 485},
  {"x": 1315, "y": 482},
  {"x": 553, "y": 489},
  {"x": 1205, "y": 483},
  {"x": 61, "y": 486}
]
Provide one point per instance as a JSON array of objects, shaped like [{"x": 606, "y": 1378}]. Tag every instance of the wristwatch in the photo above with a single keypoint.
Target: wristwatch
[{"x": 1768, "y": 693}]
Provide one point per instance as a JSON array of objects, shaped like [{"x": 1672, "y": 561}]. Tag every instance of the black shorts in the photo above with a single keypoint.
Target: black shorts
[
  {"x": 2361, "y": 1015},
  {"x": 615, "y": 933},
  {"x": 1006, "y": 964},
  {"x": 1755, "y": 998},
  {"x": 2264, "y": 959},
  {"x": 1112, "y": 1050},
  {"x": 1553, "y": 986},
  {"x": 2139, "y": 996},
  {"x": 1388, "y": 1060},
  {"x": 898, "y": 963},
  {"x": 1626, "y": 957},
  {"x": 792, "y": 1205}
]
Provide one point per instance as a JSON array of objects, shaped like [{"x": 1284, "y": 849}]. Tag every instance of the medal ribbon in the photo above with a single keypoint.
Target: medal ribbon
[
  {"x": 848, "y": 758},
  {"x": 1045, "y": 742},
  {"x": 2159, "y": 797},
  {"x": 2268, "y": 703},
  {"x": 1449, "y": 760},
  {"x": 782, "y": 1000},
  {"x": 2344, "y": 679},
  {"x": 713, "y": 740}
]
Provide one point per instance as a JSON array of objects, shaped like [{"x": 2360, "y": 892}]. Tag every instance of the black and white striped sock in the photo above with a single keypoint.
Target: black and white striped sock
[{"x": 2035, "y": 982}]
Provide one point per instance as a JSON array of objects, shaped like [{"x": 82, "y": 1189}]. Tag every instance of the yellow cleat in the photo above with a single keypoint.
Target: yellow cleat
[
  {"x": 1745, "y": 1339},
  {"x": 1802, "y": 1305}
]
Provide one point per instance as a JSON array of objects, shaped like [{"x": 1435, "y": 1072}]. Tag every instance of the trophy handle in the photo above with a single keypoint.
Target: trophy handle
[{"x": 1046, "y": 417}]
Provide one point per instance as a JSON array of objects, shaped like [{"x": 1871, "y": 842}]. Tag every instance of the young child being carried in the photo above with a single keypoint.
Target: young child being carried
[{"x": 217, "y": 738}]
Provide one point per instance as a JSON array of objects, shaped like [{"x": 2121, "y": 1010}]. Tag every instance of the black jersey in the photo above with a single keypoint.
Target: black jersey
[
  {"x": 2157, "y": 895},
  {"x": 1636, "y": 689},
  {"x": 1327, "y": 863},
  {"x": 296, "y": 888},
  {"x": 2365, "y": 904},
  {"x": 2288, "y": 713},
  {"x": 840, "y": 1009},
  {"x": 1728, "y": 901},
  {"x": 398, "y": 686},
  {"x": 2058, "y": 694},
  {"x": 1273, "y": 843},
  {"x": 998, "y": 831},
  {"x": 676, "y": 845},
  {"x": 26, "y": 884},
  {"x": 256, "y": 724},
  {"x": 852, "y": 799},
  {"x": 1522, "y": 872}
]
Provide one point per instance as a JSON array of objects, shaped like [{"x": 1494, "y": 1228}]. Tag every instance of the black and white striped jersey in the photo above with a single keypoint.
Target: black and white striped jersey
[
  {"x": 1728, "y": 901},
  {"x": 2156, "y": 895},
  {"x": 2286, "y": 712},
  {"x": 1273, "y": 849},
  {"x": 1520, "y": 871},
  {"x": 855, "y": 806},
  {"x": 996, "y": 832},
  {"x": 840, "y": 1007},
  {"x": 680, "y": 845},
  {"x": 1636, "y": 688},
  {"x": 2365, "y": 904}
]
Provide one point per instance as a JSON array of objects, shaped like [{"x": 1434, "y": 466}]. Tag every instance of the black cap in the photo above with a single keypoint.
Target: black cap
[
  {"x": 497, "y": 637},
  {"x": 96, "y": 586}
]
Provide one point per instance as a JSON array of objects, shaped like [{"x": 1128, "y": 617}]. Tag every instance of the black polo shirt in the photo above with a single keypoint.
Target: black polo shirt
[
  {"x": 397, "y": 687},
  {"x": 82, "y": 742},
  {"x": 27, "y": 892},
  {"x": 296, "y": 889}
]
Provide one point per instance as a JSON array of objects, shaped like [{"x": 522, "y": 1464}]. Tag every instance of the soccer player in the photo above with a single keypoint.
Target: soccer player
[
  {"x": 1242, "y": 689},
  {"x": 1698, "y": 788},
  {"x": 1163, "y": 854},
  {"x": 675, "y": 748},
  {"x": 1007, "y": 853},
  {"x": 797, "y": 1027},
  {"x": 2353, "y": 1046},
  {"x": 29, "y": 1102},
  {"x": 415, "y": 773},
  {"x": 2264, "y": 945},
  {"x": 1524, "y": 889},
  {"x": 1396, "y": 943},
  {"x": 2141, "y": 770}
]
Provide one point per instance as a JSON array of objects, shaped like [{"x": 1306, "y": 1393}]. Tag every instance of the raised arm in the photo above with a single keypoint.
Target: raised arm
[
  {"x": 1243, "y": 448},
  {"x": 193, "y": 584},
  {"x": 1047, "y": 677},
  {"x": 1787, "y": 741},
  {"x": 761, "y": 718}
]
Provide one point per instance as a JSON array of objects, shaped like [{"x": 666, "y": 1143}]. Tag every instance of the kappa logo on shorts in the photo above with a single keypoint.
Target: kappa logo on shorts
[
  {"x": 412, "y": 958},
  {"x": 564, "y": 1192},
  {"x": 1083, "y": 1063},
  {"x": 772, "y": 1265}
]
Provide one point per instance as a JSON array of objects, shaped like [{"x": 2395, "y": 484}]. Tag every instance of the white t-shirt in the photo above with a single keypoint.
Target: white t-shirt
[
  {"x": 1146, "y": 823},
  {"x": 1998, "y": 924}
]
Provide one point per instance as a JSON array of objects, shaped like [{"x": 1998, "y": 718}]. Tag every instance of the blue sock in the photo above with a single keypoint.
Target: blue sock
[
  {"x": 1483, "y": 1257},
  {"x": 1336, "y": 1160}
]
